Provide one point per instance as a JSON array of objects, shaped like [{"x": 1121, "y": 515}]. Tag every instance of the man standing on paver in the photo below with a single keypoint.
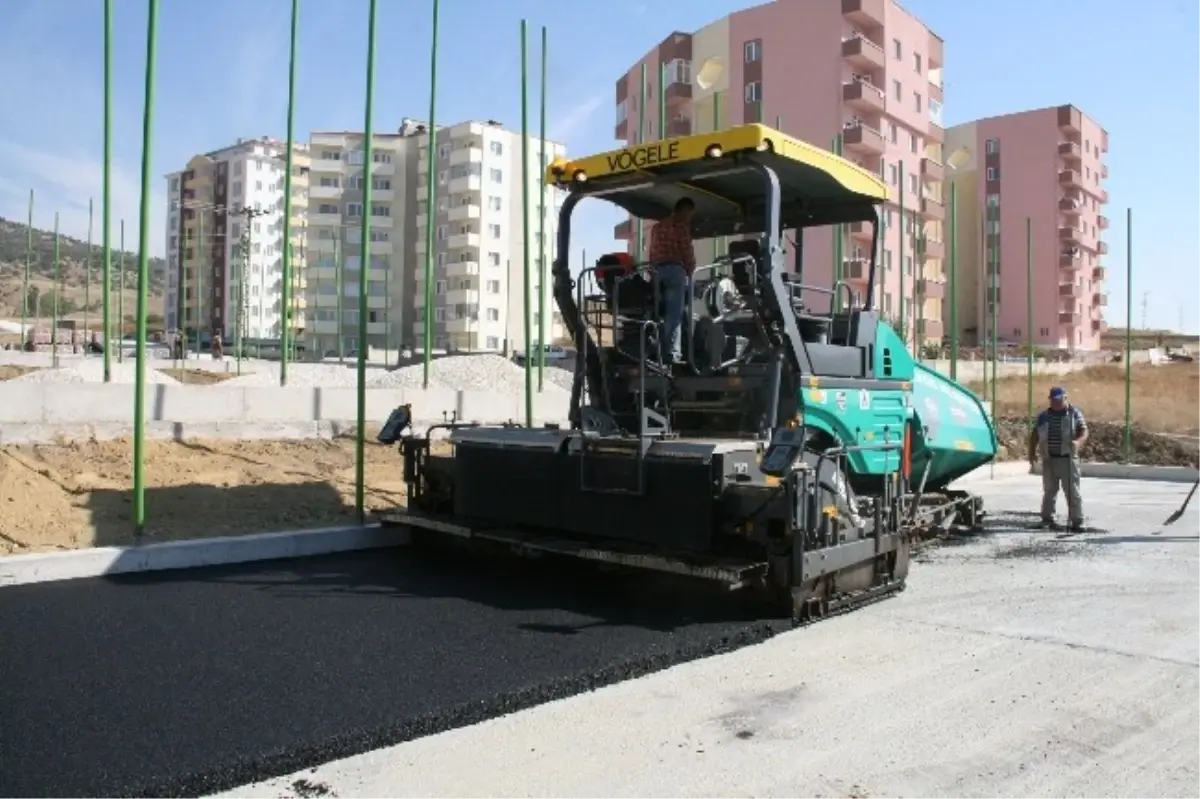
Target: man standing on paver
[{"x": 1058, "y": 435}]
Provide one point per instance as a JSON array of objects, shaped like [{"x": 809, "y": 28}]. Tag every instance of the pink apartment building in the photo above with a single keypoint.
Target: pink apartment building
[
  {"x": 1047, "y": 166},
  {"x": 865, "y": 69}
]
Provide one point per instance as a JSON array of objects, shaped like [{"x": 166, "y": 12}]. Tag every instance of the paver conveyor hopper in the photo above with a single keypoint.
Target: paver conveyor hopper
[{"x": 798, "y": 448}]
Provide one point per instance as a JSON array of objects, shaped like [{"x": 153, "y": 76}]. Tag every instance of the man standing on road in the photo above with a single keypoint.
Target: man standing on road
[
  {"x": 1058, "y": 435},
  {"x": 673, "y": 257}
]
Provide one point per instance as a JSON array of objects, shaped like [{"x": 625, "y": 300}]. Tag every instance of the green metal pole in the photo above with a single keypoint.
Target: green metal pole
[
  {"x": 365, "y": 248},
  {"x": 953, "y": 281},
  {"x": 87, "y": 277},
  {"x": 918, "y": 290},
  {"x": 994, "y": 284},
  {"x": 54, "y": 306},
  {"x": 525, "y": 214},
  {"x": 431, "y": 191},
  {"x": 1128, "y": 441},
  {"x": 285, "y": 327},
  {"x": 641, "y": 240},
  {"x": 839, "y": 235},
  {"x": 1029, "y": 316},
  {"x": 199, "y": 276},
  {"x": 121, "y": 299},
  {"x": 239, "y": 315},
  {"x": 25, "y": 333},
  {"x": 139, "y": 397},
  {"x": 180, "y": 306},
  {"x": 106, "y": 192},
  {"x": 900, "y": 239},
  {"x": 542, "y": 244},
  {"x": 662, "y": 101}
]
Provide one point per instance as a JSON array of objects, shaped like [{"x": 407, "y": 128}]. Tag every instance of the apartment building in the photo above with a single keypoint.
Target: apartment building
[
  {"x": 781, "y": 63},
  {"x": 478, "y": 237},
  {"x": 225, "y": 244},
  {"x": 1047, "y": 166}
]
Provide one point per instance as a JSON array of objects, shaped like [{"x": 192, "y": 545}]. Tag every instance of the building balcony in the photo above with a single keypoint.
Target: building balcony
[
  {"x": 864, "y": 13},
  {"x": 1068, "y": 234},
  {"x": 462, "y": 297},
  {"x": 1071, "y": 152},
  {"x": 1070, "y": 119},
  {"x": 623, "y": 231},
  {"x": 1069, "y": 206},
  {"x": 377, "y": 303},
  {"x": 935, "y": 248},
  {"x": 1070, "y": 319},
  {"x": 461, "y": 212},
  {"x": 461, "y": 325},
  {"x": 1099, "y": 326},
  {"x": 1104, "y": 171},
  {"x": 1070, "y": 177},
  {"x": 863, "y": 139},
  {"x": 678, "y": 92},
  {"x": 863, "y": 96},
  {"x": 466, "y": 155},
  {"x": 1102, "y": 222},
  {"x": 1070, "y": 290},
  {"x": 470, "y": 134},
  {"x": 936, "y": 132},
  {"x": 935, "y": 92},
  {"x": 931, "y": 289},
  {"x": 461, "y": 269},
  {"x": 933, "y": 209},
  {"x": 324, "y": 220},
  {"x": 325, "y": 192},
  {"x": 621, "y": 131},
  {"x": 383, "y": 195},
  {"x": 1068, "y": 262},
  {"x": 462, "y": 241},
  {"x": 932, "y": 171},
  {"x": 930, "y": 329},
  {"x": 471, "y": 183},
  {"x": 864, "y": 54},
  {"x": 1102, "y": 247},
  {"x": 1100, "y": 300},
  {"x": 856, "y": 269},
  {"x": 1099, "y": 273},
  {"x": 679, "y": 126},
  {"x": 861, "y": 230},
  {"x": 1102, "y": 195}
]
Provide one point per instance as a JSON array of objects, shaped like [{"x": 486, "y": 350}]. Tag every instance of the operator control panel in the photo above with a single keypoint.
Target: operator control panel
[{"x": 787, "y": 445}]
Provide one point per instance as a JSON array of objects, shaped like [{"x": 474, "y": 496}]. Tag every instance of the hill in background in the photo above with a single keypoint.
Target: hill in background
[{"x": 76, "y": 299}]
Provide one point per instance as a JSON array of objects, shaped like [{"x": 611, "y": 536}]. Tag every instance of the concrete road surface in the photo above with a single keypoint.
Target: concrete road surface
[{"x": 1015, "y": 664}]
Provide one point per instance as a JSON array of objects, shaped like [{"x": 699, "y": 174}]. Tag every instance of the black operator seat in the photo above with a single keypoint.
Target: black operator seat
[{"x": 742, "y": 277}]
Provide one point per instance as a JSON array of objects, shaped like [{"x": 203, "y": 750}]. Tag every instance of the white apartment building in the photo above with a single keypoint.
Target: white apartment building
[
  {"x": 479, "y": 238},
  {"x": 226, "y": 210}
]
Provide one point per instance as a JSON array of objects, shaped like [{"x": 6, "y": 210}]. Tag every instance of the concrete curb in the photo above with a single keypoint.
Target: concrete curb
[
  {"x": 191, "y": 554},
  {"x": 1107, "y": 471}
]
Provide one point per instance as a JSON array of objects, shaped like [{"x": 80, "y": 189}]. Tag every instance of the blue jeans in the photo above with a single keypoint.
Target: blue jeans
[{"x": 672, "y": 283}]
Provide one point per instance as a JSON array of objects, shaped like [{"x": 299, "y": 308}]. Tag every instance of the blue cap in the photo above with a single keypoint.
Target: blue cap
[{"x": 1057, "y": 393}]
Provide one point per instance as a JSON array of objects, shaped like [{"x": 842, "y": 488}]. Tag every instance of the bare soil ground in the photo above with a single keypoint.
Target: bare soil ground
[
  {"x": 8, "y": 372},
  {"x": 79, "y": 494},
  {"x": 1165, "y": 411},
  {"x": 198, "y": 377}
]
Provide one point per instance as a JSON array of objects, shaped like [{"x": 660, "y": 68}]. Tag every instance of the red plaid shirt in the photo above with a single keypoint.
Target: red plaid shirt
[{"x": 671, "y": 243}]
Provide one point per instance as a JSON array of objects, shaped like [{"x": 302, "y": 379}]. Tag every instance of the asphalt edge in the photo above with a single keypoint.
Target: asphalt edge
[{"x": 42, "y": 567}]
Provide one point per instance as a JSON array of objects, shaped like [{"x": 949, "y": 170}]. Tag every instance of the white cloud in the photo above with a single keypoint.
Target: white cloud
[
  {"x": 64, "y": 182},
  {"x": 564, "y": 125}
]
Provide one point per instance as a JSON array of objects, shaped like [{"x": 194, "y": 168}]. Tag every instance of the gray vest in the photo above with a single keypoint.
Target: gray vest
[{"x": 1066, "y": 422}]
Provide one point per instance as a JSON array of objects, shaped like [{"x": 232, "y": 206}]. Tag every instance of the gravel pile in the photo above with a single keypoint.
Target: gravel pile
[
  {"x": 467, "y": 373},
  {"x": 304, "y": 375},
  {"x": 92, "y": 371}
]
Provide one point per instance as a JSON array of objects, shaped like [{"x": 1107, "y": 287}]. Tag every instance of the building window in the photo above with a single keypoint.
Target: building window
[
  {"x": 898, "y": 90},
  {"x": 494, "y": 203},
  {"x": 381, "y": 184},
  {"x": 897, "y": 49},
  {"x": 494, "y": 231},
  {"x": 493, "y": 342},
  {"x": 380, "y": 210},
  {"x": 753, "y": 92},
  {"x": 893, "y": 175},
  {"x": 493, "y": 287},
  {"x": 679, "y": 70},
  {"x": 992, "y": 146},
  {"x": 993, "y": 173},
  {"x": 913, "y": 145},
  {"x": 497, "y": 176},
  {"x": 439, "y": 287},
  {"x": 917, "y": 101},
  {"x": 444, "y": 151},
  {"x": 493, "y": 314},
  {"x": 496, "y": 147},
  {"x": 753, "y": 51},
  {"x": 381, "y": 158},
  {"x": 353, "y": 209},
  {"x": 494, "y": 258},
  {"x": 917, "y": 62}
]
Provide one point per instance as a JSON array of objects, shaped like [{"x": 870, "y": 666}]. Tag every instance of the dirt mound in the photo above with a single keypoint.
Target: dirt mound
[{"x": 1106, "y": 444}]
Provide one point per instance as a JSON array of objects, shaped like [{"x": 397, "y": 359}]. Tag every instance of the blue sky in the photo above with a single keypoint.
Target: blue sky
[{"x": 222, "y": 73}]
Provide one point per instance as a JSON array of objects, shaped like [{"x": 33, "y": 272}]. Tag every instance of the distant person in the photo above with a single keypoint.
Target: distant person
[
  {"x": 1059, "y": 434},
  {"x": 673, "y": 257},
  {"x": 218, "y": 351}
]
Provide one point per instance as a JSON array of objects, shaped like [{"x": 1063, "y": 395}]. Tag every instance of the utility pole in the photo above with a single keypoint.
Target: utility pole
[{"x": 244, "y": 247}]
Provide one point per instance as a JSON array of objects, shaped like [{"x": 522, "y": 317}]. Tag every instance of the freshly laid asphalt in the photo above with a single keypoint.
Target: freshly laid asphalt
[{"x": 189, "y": 682}]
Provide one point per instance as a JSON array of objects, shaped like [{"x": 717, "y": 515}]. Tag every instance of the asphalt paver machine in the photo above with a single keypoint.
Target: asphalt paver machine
[{"x": 797, "y": 451}]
